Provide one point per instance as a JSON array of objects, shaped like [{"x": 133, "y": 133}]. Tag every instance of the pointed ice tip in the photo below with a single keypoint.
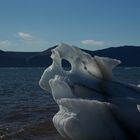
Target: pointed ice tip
[
  {"x": 108, "y": 61},
  {"x": 106, "y": 65}
]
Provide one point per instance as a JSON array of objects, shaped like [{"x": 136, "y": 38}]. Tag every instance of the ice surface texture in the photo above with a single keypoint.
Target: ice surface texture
[{"x": 92, "y": 104}]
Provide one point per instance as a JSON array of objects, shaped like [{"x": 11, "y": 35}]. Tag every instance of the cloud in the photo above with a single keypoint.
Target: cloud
[
  {"x": 93, "y": 42},
  {"x": 27, "y": 39},
  {"x": 23, "y": 41},
  {"x": 5, "y": 43},
  {"x": 25, "y": 36}
]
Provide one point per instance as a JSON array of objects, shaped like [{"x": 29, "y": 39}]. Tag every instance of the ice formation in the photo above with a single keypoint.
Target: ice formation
[{"x": 92, "y": 104}]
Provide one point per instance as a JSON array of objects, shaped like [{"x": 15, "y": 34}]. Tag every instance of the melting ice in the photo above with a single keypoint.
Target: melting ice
[{"x": 93, "y": 105}]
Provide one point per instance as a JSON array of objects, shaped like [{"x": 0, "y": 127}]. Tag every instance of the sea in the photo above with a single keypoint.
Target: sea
[{"x": 26, "y": 110}]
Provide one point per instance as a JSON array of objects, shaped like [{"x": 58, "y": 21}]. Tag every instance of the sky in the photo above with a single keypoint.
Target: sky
[{"x": 36, "y": 25}]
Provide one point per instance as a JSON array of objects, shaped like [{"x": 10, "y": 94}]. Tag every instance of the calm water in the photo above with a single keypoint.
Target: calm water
[{"x": 26, "y": 110}]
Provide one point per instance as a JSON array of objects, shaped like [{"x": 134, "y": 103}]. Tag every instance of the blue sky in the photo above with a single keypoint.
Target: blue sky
[{"x": 35, "y": 25}]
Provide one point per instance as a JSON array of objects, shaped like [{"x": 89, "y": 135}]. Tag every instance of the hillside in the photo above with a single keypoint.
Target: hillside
[{"x": 129, "y": 55}]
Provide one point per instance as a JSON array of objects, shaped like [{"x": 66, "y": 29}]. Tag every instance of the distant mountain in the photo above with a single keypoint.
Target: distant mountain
[{"x": 129, "y": 55}]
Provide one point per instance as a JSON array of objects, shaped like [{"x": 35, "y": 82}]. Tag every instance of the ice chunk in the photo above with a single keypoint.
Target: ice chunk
[
  {"x": 87, "y": 120},
  {"x": 92, "y": 104},
  {"x": 83, "y": 66}
]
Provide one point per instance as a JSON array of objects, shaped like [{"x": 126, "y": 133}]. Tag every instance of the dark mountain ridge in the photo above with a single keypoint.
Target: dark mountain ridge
[{"x": 129, "y": 55}]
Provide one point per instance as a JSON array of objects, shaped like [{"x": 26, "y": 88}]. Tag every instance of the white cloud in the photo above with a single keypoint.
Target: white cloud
[
  {"x": 93, "y": 42},
  {"x": 25, "y": 36},
  {"x": 27, "y": 39},
  {"x": 5, "y": 43},
  {"x": 24, "y": 41}
]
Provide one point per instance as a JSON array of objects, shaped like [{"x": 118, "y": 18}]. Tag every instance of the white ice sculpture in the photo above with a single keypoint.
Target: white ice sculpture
[{"x": 92, "y": 104}]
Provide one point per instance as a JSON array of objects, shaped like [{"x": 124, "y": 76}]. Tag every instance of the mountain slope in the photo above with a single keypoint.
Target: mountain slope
[{"x": 129, "y": 55}]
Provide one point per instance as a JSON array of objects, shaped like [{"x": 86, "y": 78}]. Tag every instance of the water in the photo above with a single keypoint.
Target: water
[{"x": 26, "y": 110}]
